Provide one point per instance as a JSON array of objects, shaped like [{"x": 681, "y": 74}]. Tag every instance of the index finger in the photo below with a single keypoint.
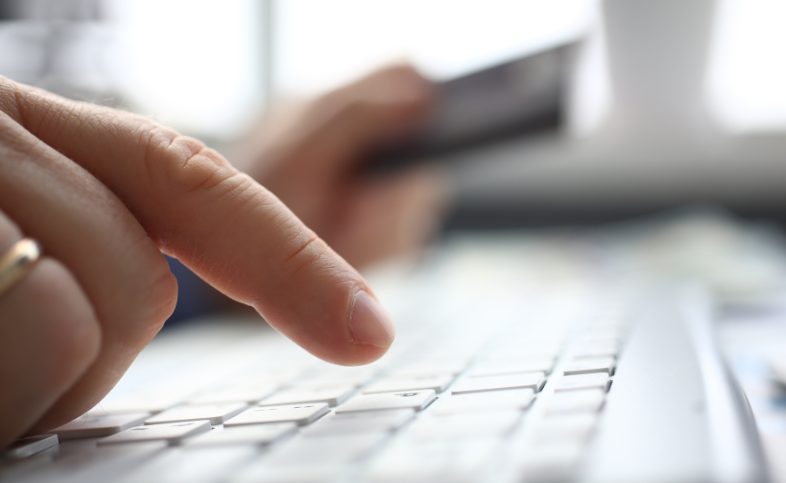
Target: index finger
[{"x": 221, "y": 223}]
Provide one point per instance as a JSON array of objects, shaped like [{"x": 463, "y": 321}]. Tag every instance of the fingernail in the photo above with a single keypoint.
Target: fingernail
[{"x": 369, "y": 323}]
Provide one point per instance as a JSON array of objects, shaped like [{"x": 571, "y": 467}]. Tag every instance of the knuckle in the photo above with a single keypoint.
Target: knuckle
[
  {"x": 55, "y": 338},
  {"x": 303, "y": 248},
  {"x": 148, "y": 295},
  {"x": 178, "y": 164},
  {"x": 72, "y": 326},
  {"x": 11, "y": 95}
]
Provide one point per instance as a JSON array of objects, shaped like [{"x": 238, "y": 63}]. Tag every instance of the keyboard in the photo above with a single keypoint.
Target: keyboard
[{"x": 536, "y": 370}]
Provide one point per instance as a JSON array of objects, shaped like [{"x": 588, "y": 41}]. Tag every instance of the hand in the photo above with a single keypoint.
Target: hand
[
  {"x": 310, "y": 158},
  {"x": 105, "y": 192}
]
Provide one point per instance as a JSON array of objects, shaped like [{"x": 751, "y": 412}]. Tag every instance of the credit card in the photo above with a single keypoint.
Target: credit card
[{"x": 512, "y": 99}]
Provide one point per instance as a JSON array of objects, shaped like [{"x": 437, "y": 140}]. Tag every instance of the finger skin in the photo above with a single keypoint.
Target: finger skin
[
  {"x": 338, "y": 128},
  {"x": 311, "y": 162},
  {"x": 392, "y": 215},
  {"x": 222, "y": 224},
  {"x": 84, "y": 226},
  {"x": 48, "y": 346}
]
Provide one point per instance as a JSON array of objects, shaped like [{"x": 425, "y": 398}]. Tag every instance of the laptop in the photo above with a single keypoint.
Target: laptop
[{"x": 533, "y": 357}]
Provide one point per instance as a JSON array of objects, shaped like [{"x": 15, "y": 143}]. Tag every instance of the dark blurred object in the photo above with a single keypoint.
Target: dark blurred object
[
  {"x": 514, "y": 99},
  {"x": 194, "y": 296}
]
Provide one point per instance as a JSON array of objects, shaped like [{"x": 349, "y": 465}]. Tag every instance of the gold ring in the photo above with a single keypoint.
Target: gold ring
[{"x": 17, "y": 262}]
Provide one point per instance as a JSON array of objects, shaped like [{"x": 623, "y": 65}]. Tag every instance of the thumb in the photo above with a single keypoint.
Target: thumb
[
  {"x": 331, "y": 134},
  {"x": 219, "y": 222}
]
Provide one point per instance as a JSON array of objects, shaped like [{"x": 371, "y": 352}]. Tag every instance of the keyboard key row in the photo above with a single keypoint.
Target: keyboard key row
[
  {"x": 254, "y": 434},
  {"x": 591, "y": 365},
  {"x": 216, "y": 414},
  {"x": 247, "y": 392},
  {"x": 458, "y": 460},
  {"x": 173, "y": 433},
  {"x": 587, "y": 400},
  {"x": 417, "y": 400},
  {"x": 510, "y": 366},
  {"x": 564, "y": 427},
  {"x": 484, "y": 402},
  {"x": 597, "y": 380},
  {"x": 360, "y": 423},
  {"x": 531, "y": 380},
  {"x": 323, "y": 452},
  {"x": 434, "y": 367},
  {"x": 25, "y": 447},
  {"x": 437, "y": 383},
  {"x": 598, "y": 348},
  {"x": 90, "y": 426},
  {"x": 469, "y": 425},
  {"x": 300, "y": 414},
  {"x": 331, "y": 394}
]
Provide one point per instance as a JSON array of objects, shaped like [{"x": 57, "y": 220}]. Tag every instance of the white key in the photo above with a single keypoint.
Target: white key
[
  {"x": 265, "y": 376},
  {"x": 355, "y": 382},
  {"x": 341, "y": 375},
  {"x": 252, "y": 434},
  {"x": 324, "y": 451},
  {"x": 520, "y": 352},
  {"x": 22, "y": 448},
  {"x": 331, "y": 394},
  {"x": 457, "y": 426},
  {"x": 393, "y": 384},
  {"x": 91, "y": 464},
  {"x": 430, "y": 367},
  {"x": 501, "y": 367},
  {"x": 597, "y": 380},
  {"x": 301, "y": 414},
  {"x": 611, "y": 336},
  {"x": 564, "y": 427},
  {"x": 247, "y": 392},
  {"x": 416, "y": 400},
  {"x": 590, "y": 365},
  {"x": 483, "y": 402},
  {"x": 517, "y": 347},
  {"x": 532, "y": 380},
  {"x": 216, "y": 414},
  {"x": 597, "y": 348},
  {"x": 89, "y": 426},
  {"x": 190, "y": 465},
  {"x": 588, "y": 400},
  {"x": 171, "y": 432},
  {"x": 454, "y": 461},
  {"x": 361, "y": 422},
  {"x": 149, "y": 400}
]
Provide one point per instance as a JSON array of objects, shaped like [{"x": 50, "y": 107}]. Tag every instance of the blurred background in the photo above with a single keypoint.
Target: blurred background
[
  {"x": 210, "y": 69},
  {"x": 665, "y": 104}
]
